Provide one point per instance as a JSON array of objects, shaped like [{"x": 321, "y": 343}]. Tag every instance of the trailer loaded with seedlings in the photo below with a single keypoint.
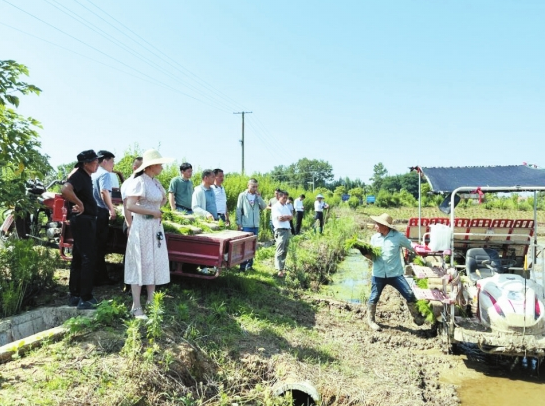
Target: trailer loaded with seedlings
[
  {"x": 196, "y": 248},
  {"x": 484, "y": 278}
]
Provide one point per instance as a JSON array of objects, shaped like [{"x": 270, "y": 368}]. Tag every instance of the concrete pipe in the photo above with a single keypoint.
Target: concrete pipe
[{"x": 302, "y": 393}]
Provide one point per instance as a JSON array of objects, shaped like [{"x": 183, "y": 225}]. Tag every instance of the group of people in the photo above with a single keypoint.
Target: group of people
[{"x": 88, "y": 190}]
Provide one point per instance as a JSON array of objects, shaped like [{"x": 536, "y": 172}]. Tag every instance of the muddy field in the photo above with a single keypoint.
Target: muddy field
[{"x": 352, "y": 365}]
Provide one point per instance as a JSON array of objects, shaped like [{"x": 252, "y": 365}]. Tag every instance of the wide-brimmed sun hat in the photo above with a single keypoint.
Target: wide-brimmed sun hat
[
  {"x": 319, "y": 196},
  {"x": 384, "y": 219},
  {"x": 153, "y": 157}
]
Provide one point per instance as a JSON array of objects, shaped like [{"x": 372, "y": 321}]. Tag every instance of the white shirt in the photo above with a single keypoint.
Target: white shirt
[
  {"x": 290, "y": 206},
  {"x": 320, "y": 205},
  {"x": 125, "y": 185},
  {"x": 221, "y": 199},
  {"x": 279, "y": 209},
  {"x": 298, "y": 204}
]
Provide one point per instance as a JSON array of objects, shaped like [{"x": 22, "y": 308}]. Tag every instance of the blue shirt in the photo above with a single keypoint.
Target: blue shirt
[
  {"x": 389, "y": 264},
  {"x": 211, "y": 202},
  {"x": 101, "y": 181}
]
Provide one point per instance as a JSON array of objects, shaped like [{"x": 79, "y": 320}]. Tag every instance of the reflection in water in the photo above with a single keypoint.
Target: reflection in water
[
  {"x": 494, "y": 380},
  {"x": 351, "y": 281}
]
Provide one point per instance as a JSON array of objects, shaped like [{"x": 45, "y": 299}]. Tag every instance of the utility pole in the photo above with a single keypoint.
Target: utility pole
[{"x": 242, "y": 140}]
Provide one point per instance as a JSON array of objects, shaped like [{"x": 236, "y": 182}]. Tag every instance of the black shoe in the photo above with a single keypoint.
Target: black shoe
[
  {"x": 90, "y": 304},
  {"x": 73, "y": 301}
]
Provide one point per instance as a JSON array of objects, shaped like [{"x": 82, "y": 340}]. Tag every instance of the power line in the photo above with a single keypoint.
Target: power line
[
  {"x": 127, "y": 48},
  {"x": 111, "y": 57},
  {"x": 271, "y": 147},
  {"x": 279, "y": 145},
  {"x": 76, "y": 53},
  {"x": 179, "y": 67}
]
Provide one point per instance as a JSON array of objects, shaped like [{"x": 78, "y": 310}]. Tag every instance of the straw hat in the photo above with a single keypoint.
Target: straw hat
[
  {"x": 319, "y": 196},
  {"x": 153, "y": 157},
  {"x": 384, "y": 219}
]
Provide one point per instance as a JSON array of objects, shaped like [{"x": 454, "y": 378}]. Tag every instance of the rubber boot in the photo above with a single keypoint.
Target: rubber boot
[
  {"x": 371, "y": 310},
  {"x": 417, "y": 317}
]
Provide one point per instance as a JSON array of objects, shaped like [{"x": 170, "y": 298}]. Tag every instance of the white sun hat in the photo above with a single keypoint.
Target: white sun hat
[{"x": 153, "y": 157}]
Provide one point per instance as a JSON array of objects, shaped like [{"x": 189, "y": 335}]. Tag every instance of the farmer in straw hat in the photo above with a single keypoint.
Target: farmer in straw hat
[
  {"x": 146, "y": 258},
  {"x": 388, "y": 269}
]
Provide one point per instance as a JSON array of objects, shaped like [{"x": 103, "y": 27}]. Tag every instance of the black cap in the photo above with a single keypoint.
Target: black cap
[
  {"x": 86, "y": 156},
  {"x": 103, "y": 154}
]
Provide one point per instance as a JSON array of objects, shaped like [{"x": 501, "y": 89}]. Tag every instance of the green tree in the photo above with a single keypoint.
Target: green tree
[
  {"x": 340, "y": 190},
  {"x": 391, "y": 184},
  {"x": 357, "y": 192},
  {"x": 20, "y": 159},
  {"x": 306, "y": 173},
  {"x": 409, "y": 182},
  {"x": 379, "y": 173}
]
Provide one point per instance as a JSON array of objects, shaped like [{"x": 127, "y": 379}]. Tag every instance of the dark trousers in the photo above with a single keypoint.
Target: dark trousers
[
  {"x": 103, "y": 228},
  {"x": 319, "y": 215},
  {"x": 82, "y": 268},
  {"x": 250, "y": 263},
  {"x": 298, "y": 221},
  {"x": 399, "y": 283}
]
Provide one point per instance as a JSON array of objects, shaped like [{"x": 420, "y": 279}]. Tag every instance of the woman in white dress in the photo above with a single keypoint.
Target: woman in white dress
[{"x": 146, "y": 258}]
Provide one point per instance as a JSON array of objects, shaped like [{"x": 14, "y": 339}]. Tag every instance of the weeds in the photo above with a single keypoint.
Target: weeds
[
  {"x": 155, "y": 316},
  {"x": 25, "y": 271}
]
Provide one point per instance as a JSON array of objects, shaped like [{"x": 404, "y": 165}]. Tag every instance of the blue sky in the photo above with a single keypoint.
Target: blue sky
[{"x": 355, "y": 83}]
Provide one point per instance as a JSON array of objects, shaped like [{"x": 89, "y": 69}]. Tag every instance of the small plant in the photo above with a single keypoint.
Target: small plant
[
  {"x": 133, "y": 343},
  {"x": 265, "y": 253},
  {"x": 421, "y": 283},
  {"x": 418, "y": 260},
  {"x": 182, "y": 310},
  {"x": 79, "y": 324},
  {"x": 154, "y": 324},
  {"x": 108, "y": 311},
  {"x": 425, "y": 308}
]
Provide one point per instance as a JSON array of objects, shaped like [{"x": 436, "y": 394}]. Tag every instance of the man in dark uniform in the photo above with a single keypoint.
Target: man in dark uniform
[{"x": 78, "y": 190}]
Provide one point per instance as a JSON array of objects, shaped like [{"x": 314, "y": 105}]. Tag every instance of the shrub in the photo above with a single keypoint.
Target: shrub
[
  {"x": 314, "y": 257},
  {"x": 353, "y": 202},
  {"x": 25, "y": 271}
]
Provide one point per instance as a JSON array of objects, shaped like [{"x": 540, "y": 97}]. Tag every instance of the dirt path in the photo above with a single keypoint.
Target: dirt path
[{"x": 401, "y": 365}]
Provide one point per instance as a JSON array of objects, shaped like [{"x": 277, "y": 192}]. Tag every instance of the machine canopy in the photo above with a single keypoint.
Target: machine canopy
[{"x": 445, "y": 180}]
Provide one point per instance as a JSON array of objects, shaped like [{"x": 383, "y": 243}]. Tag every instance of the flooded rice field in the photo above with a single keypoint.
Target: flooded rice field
[
  {"x": 481, "y": 379},
  {"x": 351, "y": 282}
]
